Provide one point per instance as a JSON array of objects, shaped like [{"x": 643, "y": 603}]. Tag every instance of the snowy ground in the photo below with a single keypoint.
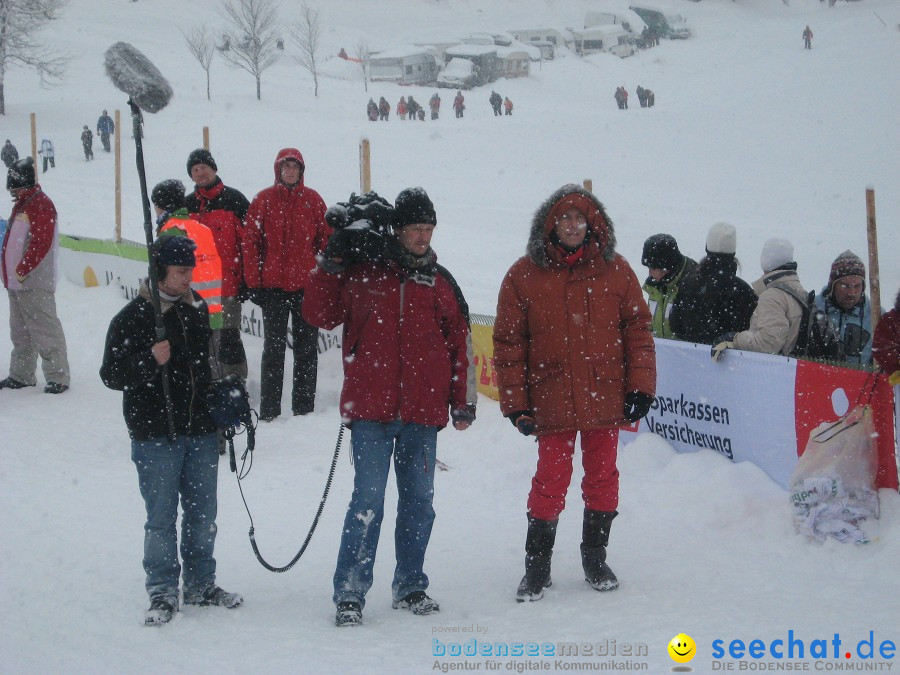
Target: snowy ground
[{"x": 749, "y": 128}]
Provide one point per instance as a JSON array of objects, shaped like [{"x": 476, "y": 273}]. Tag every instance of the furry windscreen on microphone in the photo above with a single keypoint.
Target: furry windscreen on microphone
[{"x": 133, "y": 73}]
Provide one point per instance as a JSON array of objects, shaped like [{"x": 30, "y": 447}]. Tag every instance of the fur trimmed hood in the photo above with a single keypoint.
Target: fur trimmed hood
[{"x": 601, "y": 235}]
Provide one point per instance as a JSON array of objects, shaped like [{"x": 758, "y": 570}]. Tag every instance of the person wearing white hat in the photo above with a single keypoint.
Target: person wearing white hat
[
  {"x": 713, "y": 300},
  {"x": 775, "y": 324}
]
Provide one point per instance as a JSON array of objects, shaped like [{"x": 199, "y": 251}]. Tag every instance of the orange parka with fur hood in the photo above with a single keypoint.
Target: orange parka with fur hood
[{"x": 571, "y": 340}]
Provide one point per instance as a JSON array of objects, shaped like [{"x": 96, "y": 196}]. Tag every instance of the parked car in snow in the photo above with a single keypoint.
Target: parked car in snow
[{"x": 459, "y": 73}]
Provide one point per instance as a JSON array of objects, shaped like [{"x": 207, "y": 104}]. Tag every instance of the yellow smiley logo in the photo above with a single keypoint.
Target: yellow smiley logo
[{"x": 682, "y": 648}]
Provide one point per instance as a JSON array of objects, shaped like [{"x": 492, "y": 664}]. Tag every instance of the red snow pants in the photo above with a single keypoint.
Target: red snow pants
[{"x": 600, "y": 485}]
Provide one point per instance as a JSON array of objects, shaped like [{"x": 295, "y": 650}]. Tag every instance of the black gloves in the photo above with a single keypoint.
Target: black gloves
[
  {"x": 720, "y": 344},
  {"x": 466, "y": 414},
  {"x": 637, "y": 405},
  {"x": 523, "y": 421}
]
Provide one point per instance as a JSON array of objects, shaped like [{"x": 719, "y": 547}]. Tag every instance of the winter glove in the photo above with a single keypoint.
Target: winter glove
[
  {"x": 637, "y": 405},
  {"x": 720, "y": 344},
  {"x": 523, "y": 421},
  {"x": 466, "y": 414}
]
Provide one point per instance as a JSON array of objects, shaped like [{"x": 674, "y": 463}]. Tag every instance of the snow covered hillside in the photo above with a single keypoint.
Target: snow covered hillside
[{"x": 748, "y": 128}]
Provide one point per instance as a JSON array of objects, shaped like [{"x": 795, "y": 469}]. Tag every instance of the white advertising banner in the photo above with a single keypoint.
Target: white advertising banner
[{"x": 741, "y": 406}]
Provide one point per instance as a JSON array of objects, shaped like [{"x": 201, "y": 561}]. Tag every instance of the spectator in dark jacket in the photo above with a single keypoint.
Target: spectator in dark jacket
[
  {"x": 407, "y": 360},
  {"x": 87, "y": 143},
  {"x": 384, "y": 109},
  {"x": 9, "y": 154},
  {"x": 713, "y": 300},
  {"x": 169, "y": 469},
  {"x": 105, "y": 128},
  {"x": 284, "y": 231},
  {"x": 496, "y": 101},
  {"x": 667, "y": 267}
]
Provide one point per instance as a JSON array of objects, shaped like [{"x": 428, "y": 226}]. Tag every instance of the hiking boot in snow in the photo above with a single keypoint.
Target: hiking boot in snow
[
  {"x": 594, "y": 538},
  {"x": 213, "y": 595},
  {"x": 417, "y": 602},
  {"x": 161, "y": 612},
  {"x": 55, "y": 388},
  {"x": 348, "y": 614},
  {"x": 538, "y": 551},
  {"x": 11, "y": 383}
]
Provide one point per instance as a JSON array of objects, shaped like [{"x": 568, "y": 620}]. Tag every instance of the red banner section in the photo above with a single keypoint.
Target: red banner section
[{"x": 825, "y": 393}]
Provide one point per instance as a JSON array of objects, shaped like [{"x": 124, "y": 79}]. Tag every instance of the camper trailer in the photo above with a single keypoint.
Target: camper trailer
[
  {"x": 532, "y": 35},
  {"x": 611, "y": 39},
  {"x": 409, "y": 65}
]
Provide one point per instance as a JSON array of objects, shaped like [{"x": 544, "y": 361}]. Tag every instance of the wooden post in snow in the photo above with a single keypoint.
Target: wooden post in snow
[
  {"x": 588, "y": 185},
  {"x": 365, "y": 167},
  {"x": 118, "y": 179},
  {"x": 34, "y": 141},
  {"x": 872, "y": 234},
  {"x": 206, "y": 138}
]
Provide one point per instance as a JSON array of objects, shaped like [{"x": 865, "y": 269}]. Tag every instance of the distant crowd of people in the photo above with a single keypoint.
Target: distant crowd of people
[
  {"x": 409, "y": 108},
  {"x": 646, "y": 97},
  {"x": 9, "y": 154}
]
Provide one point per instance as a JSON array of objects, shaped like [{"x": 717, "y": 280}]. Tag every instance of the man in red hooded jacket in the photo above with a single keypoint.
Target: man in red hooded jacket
[{"x": 284, "y": 231}]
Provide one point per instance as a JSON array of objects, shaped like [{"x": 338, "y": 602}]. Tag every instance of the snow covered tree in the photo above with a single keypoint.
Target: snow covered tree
[
  {"x": 363, "y": 52},
  {"x": 203, "y": 46},
  {"x": 306, "y": 36},
  {"x": 253, "y": 38},
  {"x": 20, "y": 22}
]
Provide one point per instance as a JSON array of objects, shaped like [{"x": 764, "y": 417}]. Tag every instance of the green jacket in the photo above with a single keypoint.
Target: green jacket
[{"x": 661, "y": 295}]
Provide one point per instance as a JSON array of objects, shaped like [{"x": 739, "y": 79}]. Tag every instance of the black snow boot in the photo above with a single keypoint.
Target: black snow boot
[
  {"x": 594, "y": 538},
  {"x": 538, "y": 551}
]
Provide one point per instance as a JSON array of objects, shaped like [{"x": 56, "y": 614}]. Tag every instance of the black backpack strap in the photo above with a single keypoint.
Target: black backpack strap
[{"x": 803, "y": 303}]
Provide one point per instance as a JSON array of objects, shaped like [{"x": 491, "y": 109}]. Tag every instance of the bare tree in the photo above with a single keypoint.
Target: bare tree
[
  {"x": 362, "y": 52},
  {"x": 252, "y": 40},
  {"x": 306, "y": 36},
  {"x": 203, "y": 46},
  {"x": 20, "y": 21}
]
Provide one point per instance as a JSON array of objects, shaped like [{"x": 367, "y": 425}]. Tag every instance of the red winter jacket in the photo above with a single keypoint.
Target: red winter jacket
[
  {"x": 571, "y": 340},
  {"x": 41, "y": 215},
  {"x": 284, "y": 230},
  {"x": 886, "y": 342},
  {"x": 222, "y": 209},
  {"x": 406, "y": 344}
]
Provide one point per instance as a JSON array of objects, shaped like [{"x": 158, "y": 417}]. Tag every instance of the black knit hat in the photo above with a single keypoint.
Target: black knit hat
[
  {"x": 413, "y": 206},
  {"x": 201, "y": 156},
  {"x": 661, "y": 252},
  {"x": 175, "y": 249},
  {"x": 20, "y": 174},
  {"x": 168, "y": 195}
]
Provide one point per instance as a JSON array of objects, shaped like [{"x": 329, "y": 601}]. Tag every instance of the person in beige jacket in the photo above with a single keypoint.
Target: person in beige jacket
[{"x": 775, "y": 324}]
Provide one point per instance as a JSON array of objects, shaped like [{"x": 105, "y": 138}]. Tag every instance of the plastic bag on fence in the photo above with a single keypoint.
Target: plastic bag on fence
[{"x": 833, "y": 485}]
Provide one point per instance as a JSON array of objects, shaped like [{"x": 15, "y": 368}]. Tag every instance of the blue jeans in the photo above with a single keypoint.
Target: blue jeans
[
  {"x": 413, "y": 447},
  {"x": 189, "y": 467}
]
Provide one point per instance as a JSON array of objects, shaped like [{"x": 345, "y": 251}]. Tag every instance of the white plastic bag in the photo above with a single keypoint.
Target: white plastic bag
[{"x": 833, "y": 484}]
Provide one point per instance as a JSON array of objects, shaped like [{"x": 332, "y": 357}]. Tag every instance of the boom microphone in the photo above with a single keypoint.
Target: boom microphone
[{"x": 133, "y": 74}]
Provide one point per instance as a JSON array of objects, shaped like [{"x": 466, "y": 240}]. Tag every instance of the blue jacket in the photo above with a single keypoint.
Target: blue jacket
[{"x": 857, "y": 319}]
